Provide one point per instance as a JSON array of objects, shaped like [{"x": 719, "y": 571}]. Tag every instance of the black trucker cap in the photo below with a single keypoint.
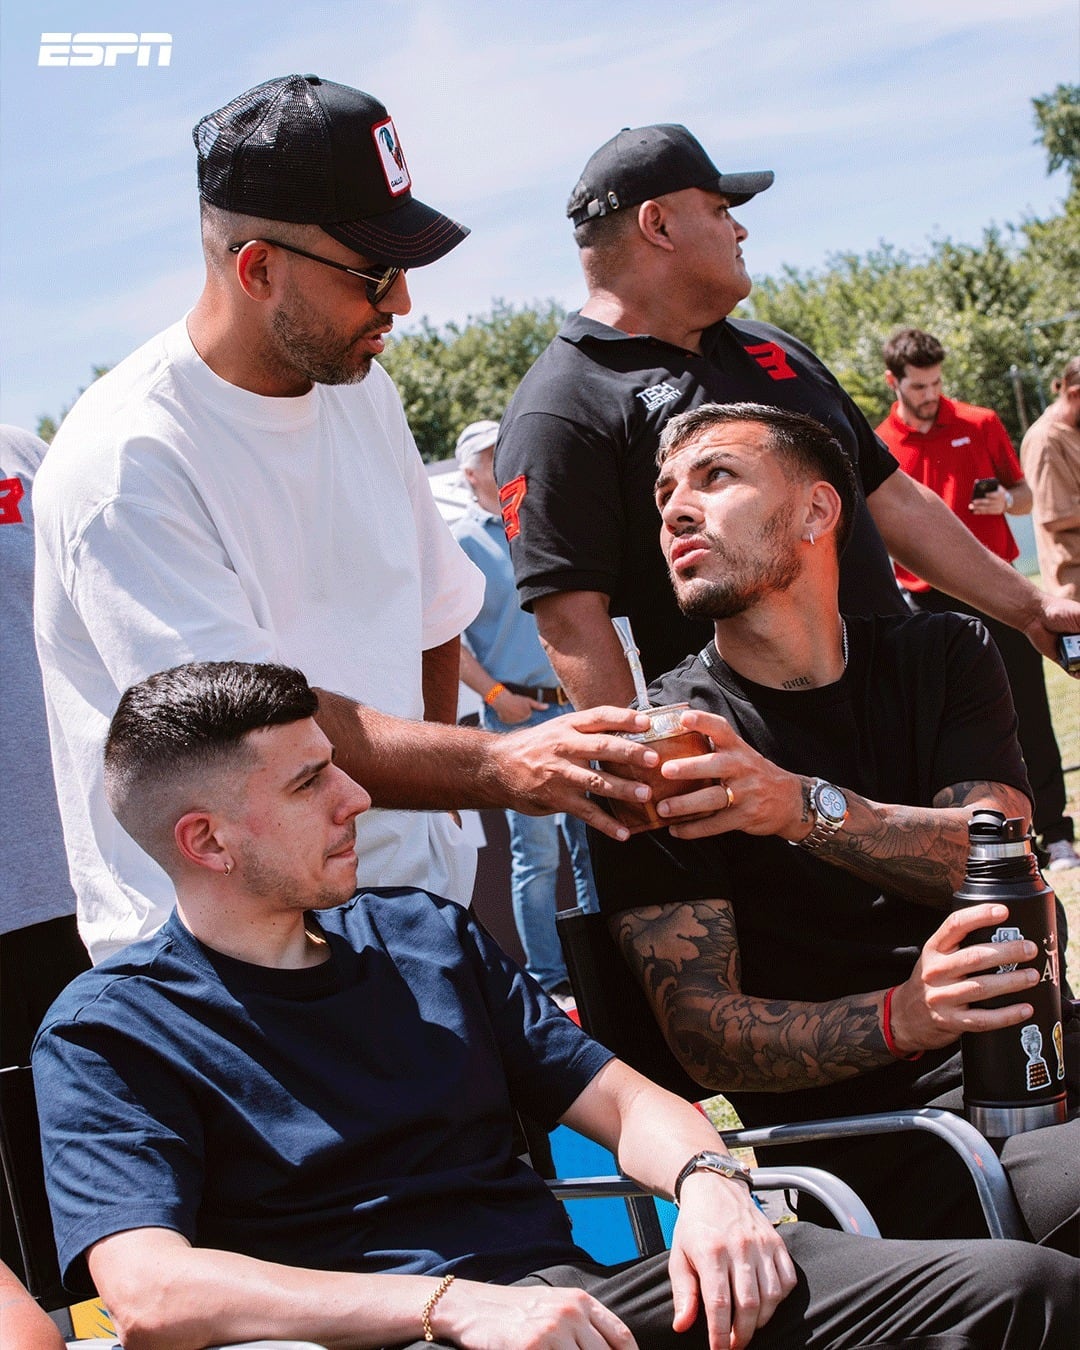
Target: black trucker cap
[
  {"x": 307, "y": 150},
  {"x": 644, "y": 162}
]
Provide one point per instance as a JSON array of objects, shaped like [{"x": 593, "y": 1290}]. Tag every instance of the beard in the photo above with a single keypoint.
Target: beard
[
  {"x": 746, "y": 579},
  {"x": 926, "y": 411},
  {"x": 270, "y": 881},
  {"x": 313, "y": 349}
]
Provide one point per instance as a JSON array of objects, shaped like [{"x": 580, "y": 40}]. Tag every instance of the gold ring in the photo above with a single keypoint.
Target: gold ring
[{"x": 730, "y": 796}]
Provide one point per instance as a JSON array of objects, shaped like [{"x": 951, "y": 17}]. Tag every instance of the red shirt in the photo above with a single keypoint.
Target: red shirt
[{"x": 964, "y": 443}]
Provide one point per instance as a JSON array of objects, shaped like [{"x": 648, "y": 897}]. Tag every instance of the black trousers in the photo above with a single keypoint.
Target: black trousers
[
  {"x": 856, "y": 1293},
  {"x": 1034, "y": 731}
]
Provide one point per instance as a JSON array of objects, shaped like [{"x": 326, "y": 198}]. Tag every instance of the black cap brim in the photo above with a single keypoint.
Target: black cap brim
[
  {"x": 740, "y": 187},
  {"x": 411, "y": 235}
]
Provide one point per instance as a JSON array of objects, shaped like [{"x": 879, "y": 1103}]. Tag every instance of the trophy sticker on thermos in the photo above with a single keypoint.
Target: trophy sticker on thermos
[{"x": 1007, "y": 935}]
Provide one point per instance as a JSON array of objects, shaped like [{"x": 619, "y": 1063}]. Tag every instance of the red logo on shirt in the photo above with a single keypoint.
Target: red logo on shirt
[
  {"x": 11, "y": 492},
  {"x": 773, "y": 360},
  {"x": 511, "y": 495}
]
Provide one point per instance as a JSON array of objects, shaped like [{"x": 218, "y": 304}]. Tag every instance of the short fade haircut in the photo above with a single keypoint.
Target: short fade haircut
[
  {"x": 177, "y": 729},
  {"x": 800, "y": 442},
  {"x": 911, "y": 347}
]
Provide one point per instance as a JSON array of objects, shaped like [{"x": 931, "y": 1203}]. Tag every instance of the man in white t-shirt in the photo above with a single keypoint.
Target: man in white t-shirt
[{"x": 245, "y": 486}]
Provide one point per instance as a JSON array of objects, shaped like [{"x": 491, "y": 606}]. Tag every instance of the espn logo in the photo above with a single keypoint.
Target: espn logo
[{"x": 103, "y": 49}]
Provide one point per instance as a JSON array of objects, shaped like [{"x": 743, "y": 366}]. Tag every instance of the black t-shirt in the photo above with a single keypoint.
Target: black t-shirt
[
  {"x": 578, "y": 442},
  {"x": 923, "y": 703}
]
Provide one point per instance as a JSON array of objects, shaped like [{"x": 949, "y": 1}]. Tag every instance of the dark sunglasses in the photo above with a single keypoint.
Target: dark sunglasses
[{"x": 377, "y": 285}]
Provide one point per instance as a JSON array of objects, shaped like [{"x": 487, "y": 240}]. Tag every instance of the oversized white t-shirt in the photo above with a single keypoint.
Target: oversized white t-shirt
[{"x": 181, "y": 518}]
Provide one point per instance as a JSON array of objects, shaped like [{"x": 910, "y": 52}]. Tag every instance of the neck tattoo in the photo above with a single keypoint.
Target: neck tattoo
[{"x": 804, "y": 681}]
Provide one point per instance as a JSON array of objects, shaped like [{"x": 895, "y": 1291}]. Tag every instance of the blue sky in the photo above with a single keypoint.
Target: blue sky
[{"x": 882, "y": 119}]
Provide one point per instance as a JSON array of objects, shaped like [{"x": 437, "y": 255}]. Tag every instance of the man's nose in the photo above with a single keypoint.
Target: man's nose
[
  {"x": 354, "y": 801},
  {"x": 397, "y": 299},
  {"x": 741, "y": 232},
  {"x": 679, "y": 510}
]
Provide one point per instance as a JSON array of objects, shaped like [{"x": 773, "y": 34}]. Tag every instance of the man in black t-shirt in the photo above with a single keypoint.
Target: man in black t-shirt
[
  {"x": 663, "y": 262},
  {"x": 824, "y": 972}
]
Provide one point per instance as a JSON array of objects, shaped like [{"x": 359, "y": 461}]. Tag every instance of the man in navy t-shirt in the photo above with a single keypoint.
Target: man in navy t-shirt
[{"x": 289, "y": 1112}]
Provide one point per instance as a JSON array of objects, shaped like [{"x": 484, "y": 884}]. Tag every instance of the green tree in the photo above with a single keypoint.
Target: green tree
[
  {"x": 1052, "y": 248},
  {"x": 457, "y": 374},
  {"x": 1058, "y": 118}
]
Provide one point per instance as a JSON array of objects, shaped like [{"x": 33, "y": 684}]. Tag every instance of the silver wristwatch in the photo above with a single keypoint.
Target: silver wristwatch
[
  {"x": 828, "y": 808},
  {"x": 722, "y": 1163}
]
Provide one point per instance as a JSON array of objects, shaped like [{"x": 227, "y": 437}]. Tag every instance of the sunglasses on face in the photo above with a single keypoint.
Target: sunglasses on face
[{"x": 377, "y": 285}]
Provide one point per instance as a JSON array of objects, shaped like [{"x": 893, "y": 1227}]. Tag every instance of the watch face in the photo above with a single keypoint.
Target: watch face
[{"x": 831, "y": 802}]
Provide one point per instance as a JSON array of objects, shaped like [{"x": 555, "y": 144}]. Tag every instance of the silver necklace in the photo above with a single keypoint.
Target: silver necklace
[{"x": 843, "y": 639}]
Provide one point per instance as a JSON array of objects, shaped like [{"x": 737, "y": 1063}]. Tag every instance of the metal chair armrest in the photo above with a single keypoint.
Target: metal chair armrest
[
  {"x": 836, "y": 1195},
  {"x": 987, "y": 1174}
]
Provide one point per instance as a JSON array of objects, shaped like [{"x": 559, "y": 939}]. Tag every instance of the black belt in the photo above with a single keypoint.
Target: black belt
[{"x": 538, "y": 692}]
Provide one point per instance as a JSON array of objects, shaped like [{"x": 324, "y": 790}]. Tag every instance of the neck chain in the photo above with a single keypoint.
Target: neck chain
[{"x": 843, "y": 639}]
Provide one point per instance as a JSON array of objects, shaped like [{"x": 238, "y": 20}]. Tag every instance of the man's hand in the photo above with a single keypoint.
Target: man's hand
[
  {"x": 995, "y": 503},
  {"x": 934, "y": 1006},
  {"x": 548, "y": 767},
  {"x": 727, "y": 1260},
  {"x": 748, "y": 792},
  {"x": 511, "y": 709},
  {"x": 1056, "y": 614},
  {"x": 497, "y": 1317}
]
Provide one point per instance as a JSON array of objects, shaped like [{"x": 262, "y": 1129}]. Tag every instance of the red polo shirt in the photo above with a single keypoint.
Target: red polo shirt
[{"x": 964, "y": 443}]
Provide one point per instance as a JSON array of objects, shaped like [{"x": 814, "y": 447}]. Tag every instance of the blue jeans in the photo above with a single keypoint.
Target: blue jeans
[{"x": 534, "y": 866}]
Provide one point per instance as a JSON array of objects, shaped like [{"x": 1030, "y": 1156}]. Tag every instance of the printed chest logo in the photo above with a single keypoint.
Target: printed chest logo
[
  {"x": 961, "y": 440},
  {"x": 11, "y": 494},
  {"x": 657, "y": 395},
  {"x": 772, "y": 360},
  {"x": 511, "y": 495}
]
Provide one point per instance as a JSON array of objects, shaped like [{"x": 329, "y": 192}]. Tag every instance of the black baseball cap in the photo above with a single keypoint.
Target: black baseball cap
[
  {"x": 304, "y": 149},
  {"x": 644, "y": 162}
]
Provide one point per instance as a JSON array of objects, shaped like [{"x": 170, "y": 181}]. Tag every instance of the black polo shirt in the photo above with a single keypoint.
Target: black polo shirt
[{"x": 576, "y": 463}]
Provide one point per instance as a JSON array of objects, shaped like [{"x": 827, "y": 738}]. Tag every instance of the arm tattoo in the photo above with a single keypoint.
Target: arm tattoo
[
  {"x": 919, "y": 852},
  {"x": 686, "y": 958}
]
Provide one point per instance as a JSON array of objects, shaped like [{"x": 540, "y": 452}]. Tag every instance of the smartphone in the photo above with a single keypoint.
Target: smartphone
[{"x": 983, "y": 487}]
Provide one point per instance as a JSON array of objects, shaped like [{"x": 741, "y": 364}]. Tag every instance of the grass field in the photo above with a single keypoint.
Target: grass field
[{"x": 1065, "y": 708}]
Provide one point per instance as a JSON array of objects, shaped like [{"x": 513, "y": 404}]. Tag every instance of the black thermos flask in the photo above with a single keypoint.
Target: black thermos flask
[{"x": 1014, "y": 1079}]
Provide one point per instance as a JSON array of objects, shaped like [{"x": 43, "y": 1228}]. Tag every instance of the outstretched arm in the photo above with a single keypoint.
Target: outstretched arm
[
  {"x": 922, "y": 533},
  {"x": 164, "y": 1294},
  {"x": 920, "y": 851},
  {"x": 427, "y": 766},
  {"x": 686, "y": 958}
]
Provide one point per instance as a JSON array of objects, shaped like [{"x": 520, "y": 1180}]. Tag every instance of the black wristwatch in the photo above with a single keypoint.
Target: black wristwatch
[
  {"x": 722, "y": 1163},
  {"x": 828, "y": 807}
]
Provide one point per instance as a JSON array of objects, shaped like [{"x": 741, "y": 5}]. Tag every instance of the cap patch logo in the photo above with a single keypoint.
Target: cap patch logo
[{"x": 391, "y": 158}]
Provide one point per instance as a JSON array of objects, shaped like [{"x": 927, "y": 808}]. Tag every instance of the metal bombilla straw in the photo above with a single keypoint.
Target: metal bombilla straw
[{"x": 633, "y": 660}]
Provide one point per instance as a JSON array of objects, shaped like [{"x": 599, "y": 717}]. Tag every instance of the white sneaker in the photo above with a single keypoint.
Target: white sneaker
[{"x": 1062, "y": 856}]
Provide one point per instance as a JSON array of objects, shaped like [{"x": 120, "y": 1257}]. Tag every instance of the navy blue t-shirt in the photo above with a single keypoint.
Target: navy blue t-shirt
[{"x": 353, "y": 1116}]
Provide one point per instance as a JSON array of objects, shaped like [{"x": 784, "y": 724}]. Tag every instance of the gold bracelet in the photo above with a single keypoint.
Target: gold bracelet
[
  {"x": 429, "y": 1307},
  {"x": 493, "y": 693}
]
